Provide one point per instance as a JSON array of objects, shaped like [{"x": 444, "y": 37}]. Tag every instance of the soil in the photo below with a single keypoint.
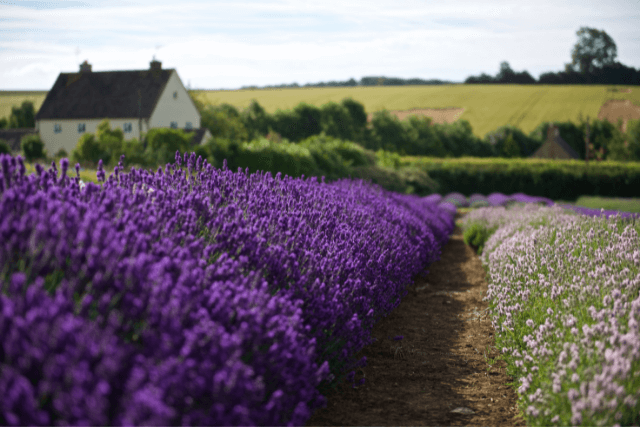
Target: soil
[
  {"x": 614, "y": 109},
  {"x": 440, "y": 365},
  {"x": 437, "y": 115}
]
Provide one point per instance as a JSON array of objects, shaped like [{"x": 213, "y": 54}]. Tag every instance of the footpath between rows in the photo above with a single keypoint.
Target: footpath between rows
[{"x": 444, "y": 371}]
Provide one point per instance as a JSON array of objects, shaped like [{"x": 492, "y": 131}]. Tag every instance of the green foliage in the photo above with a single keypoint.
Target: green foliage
[
  {"x": 304, "y": 121},
  {"x": 162, "y": 144},
  {"x": 224, "y": 121},
  {"x": 633, "y": 139},
  {"x": 554, "y": 179},
  {"x": 4, "y": 147},
  {"x": 22, "y": 117},
  {"x": 61, "y": 153},
  {"x": 594, "y": 49},
  {"x": 90, "y": 150},
  {"x": 337, "y": 122},
  {"x": 509, "y": 141},
  {"x": 32, "y": 147},
  {"x": 388, "y": 133},
  {"x": 4, "y": 123},
  {"x": 284, "y": 157},
  {"x": 256, "y": 120},
  {"x": 476, "y": 236},
  {"x": 135, "y": 154}
]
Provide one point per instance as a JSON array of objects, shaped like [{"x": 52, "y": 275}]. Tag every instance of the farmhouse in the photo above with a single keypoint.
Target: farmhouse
[
  {"x": 134, "y": 101},
  {"x": 555, "y": 147}
]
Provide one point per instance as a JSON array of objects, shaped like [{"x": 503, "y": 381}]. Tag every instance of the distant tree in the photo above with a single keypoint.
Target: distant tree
[
  {"x": 633, "y": 139},
  {"x": 89, "y": 150},
  {"x": 594, "y": 49},
  {"x": 256, "y": 120},
  {"x": 23, "y": 117},
  {"x": 32, "y": 147},
  {"x": 4, "y": 123},
  {"x": 506, "y": 74},
  {"x": 336, "y": 121}
]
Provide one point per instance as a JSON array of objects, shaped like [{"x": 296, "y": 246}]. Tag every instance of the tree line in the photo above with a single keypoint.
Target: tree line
[{"x": 347, "y": 121}]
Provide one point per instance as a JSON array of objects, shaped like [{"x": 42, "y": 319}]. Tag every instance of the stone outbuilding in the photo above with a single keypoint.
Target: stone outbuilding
[{"x": 555, "y": 147}]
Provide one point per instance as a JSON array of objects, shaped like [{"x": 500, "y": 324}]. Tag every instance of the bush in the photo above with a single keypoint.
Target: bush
[
  {"x": 89, "y": 150},
  {"x": 477, "y": 235},
  {"x": 633, "y": 139},
  {"x": 162, "y": 144},
  {"x": 32, "y": 147},
  {"x": 62, "y": 153},
  {"x": 4, "y": 147},
  {"x": 509, "y": 141}
]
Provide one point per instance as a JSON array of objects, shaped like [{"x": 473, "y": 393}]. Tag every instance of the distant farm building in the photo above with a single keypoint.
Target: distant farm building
[
  {"x": 555, "y": 147},
  {"x": 134, "y": 101}
]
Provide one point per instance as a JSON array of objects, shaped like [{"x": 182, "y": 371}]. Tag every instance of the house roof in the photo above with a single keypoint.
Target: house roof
[
  {"x": 566, "y": 147},
  {"x": 109, "y": 94},
  {"x": 553, "y": 136},
  {"x": 14, "y": 136}
]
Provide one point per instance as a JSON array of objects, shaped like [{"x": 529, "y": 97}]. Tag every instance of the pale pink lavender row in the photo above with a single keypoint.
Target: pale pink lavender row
[
  {"x": 218, "y": 298},
  {"x": 564, "y": 298}
]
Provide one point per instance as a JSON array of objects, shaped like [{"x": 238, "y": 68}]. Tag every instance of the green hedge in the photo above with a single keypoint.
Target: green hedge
[{"x": 555, "y": 179}]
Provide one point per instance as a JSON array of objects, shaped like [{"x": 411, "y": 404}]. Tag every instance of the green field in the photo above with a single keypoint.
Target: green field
[{"x": 487, "y": 107}]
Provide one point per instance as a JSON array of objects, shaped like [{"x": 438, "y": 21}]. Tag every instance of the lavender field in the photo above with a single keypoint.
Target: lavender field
[
  {"x": 118, "y": 300},
  {"x": 564, "y": 297}
]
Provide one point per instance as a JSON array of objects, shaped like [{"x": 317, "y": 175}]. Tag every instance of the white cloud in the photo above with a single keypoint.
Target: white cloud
[{"x": 228, "y": 44}]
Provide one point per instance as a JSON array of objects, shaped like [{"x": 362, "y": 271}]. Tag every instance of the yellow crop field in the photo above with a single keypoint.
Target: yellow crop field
[
  {"x": 10, "y": 99},
  {"x": 486, "y": 107}
]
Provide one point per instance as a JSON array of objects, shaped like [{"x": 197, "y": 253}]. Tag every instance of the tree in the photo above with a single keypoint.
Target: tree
[
  {"x": 23, "y": 117},
  {"x": 594, "y": 49},
  {"x": 506, "y": 74},
  {"x": 32, "y": 147}
]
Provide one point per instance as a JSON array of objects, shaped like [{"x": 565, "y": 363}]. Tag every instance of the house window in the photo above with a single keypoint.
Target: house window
[
  {"x": 81, "y": 127},
  {"x": 127, "y": 127},
  {"x": 188, "y": 126},
  {"x": 57, "y": 128},
  {"x": 174, "y": 125},
  {"x": 175, "y": 95}
]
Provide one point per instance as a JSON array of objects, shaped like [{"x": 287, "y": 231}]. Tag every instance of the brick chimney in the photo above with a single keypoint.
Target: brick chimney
[
  {"x": 85, "y": 67},
  {"x": 156, "y": 65}
]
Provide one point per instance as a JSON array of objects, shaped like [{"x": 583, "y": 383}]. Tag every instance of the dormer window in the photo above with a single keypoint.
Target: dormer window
[
  {"x": 188, "y": 126},
  {"x": 81, "y": 127},
  {"x": 127, "y": 127},
  {"x": 174, "y": 125},
  {"x": 175, "y": 95},
  {"x": 57, "y": 128}
]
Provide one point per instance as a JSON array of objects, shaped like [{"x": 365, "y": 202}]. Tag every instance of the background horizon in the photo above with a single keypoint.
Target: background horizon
[{"x": 226, "y": 45}]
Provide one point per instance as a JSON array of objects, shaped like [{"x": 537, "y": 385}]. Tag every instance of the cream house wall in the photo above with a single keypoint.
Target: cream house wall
[
  {"x": 174, "y": 105},
  {"x": 68, "y": 136}
]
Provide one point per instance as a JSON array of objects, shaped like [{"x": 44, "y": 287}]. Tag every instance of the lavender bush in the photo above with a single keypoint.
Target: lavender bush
[
  {"x": 564, "y": 296},
  {"x": 194, "y": 295}
]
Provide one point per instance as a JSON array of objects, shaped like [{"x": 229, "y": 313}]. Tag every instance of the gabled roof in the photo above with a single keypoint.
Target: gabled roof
[
  {"x": 109, "y": 94},
  {"x": 553, "y": 136},
  {"x": 566, "y": 147}
]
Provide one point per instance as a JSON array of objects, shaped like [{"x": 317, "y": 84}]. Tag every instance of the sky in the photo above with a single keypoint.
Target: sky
[{"x": 229, "y": 44}]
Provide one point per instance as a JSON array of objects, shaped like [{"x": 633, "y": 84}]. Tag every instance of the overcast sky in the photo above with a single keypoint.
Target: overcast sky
[{"x": 228, "y": 44}]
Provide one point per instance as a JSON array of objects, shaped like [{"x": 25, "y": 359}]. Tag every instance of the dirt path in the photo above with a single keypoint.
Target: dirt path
[
  {"x": 439, "y": 365},
  {"x": 613, "y": 110}
]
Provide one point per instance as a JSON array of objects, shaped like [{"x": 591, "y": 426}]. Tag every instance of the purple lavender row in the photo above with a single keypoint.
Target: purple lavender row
[
  {"x": 459, "y": 200},
  {"x": 564, "y": 299},
  {"x": 206, "y": 298}
]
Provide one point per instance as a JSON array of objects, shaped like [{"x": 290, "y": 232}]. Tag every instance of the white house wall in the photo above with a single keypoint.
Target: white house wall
[
  {"x": 68, "y": 136},
  {"x": 179, "y": 109}
]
